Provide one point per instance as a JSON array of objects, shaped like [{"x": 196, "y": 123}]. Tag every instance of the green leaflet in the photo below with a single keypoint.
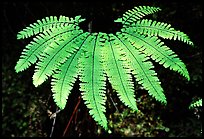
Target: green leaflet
[
  {"x": 154, "y": 28},
  {"x": 48, "y": 23},
  {"x": 135, "y": 14},
  {"x": 63, "y": 80},
  {"x": 93, "y": 80},
  {"x": 64, "y": 52},
  {"x": 57, "y": 52},
  {"x": 37, "y": 46},
  {"x": 154, "y": 47},
  {"x": 119, "y": 76},
  {"x": 142, "y": 69}
]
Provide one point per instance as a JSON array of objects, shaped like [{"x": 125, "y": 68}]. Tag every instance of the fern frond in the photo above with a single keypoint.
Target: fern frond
[
  {"x": 161, "y": 29},
  {"x": 135, "y": 14},
  {"x": 48, "y": 23},
  {"x": 65, "y": 77},
  {"x": 197, "y": 103},
  {"x": 55, "y": 54},
  {"x": 33, "y": 50},
  {"x": 93, "y": 80},
  {"x": 118, "y": 75},
  {"x": 142, "y": 69},
  {"x": 154, "y": 47}
]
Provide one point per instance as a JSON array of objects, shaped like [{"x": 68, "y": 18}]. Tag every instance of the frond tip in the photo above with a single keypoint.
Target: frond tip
[
  {"x": 160, "y": 29},
  {"x": 48, "y": 23},
  {"x": 136, "y": 14}
]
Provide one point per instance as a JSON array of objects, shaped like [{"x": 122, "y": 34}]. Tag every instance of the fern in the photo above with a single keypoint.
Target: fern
[{"x": 64, "y": 52}]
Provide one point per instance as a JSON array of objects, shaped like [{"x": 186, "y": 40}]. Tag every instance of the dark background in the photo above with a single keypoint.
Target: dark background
[{"x": 24, "y": 107}]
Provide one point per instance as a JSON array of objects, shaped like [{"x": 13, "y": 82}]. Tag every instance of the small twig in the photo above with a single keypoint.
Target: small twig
[
  {"x": 75, "y": 109},
  {"x": 90, "y": 26},
  {"x": 54, "y": 116},
  {"x": 114, "y": 104}
]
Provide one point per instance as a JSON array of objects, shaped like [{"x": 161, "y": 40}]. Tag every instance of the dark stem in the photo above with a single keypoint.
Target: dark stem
[{"x": 75, "y": 109}]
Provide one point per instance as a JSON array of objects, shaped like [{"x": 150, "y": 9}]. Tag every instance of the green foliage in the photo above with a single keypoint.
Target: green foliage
[
  {"x": 48, "y": 23},
  {"x": 64, "y": 52},
  {"x": 135, "y": 14},
  {"x": 197, "y": 103}
]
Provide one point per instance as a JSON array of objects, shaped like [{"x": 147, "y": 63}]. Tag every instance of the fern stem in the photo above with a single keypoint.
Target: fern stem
[
  {"x": 79, "y": 100},
  {"x": 114, "y": 104}
]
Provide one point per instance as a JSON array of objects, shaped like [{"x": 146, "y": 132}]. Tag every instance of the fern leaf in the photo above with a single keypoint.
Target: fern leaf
[
  {"x": 63, "y": 80},
  {"x": 56, "y": 53},
  {"x": 48, "y": 23},
  {"x": 93, "y": 81},
  {"x": 118, "y": 75},
  {"x": 33, "y": 50},
  {"x": 154, "y": 47},
  {"x": 142, "y": 69},
  {"x": 154, "y": 28},
  {"x": 135, "y": 14}
]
